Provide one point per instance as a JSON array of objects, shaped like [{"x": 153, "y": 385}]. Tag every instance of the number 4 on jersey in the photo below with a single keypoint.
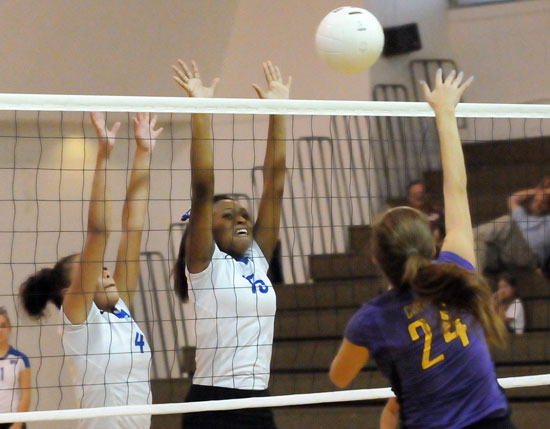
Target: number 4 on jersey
[
  {"x": 460, "y": 330},
  {"x": 139, "y": 341},
  {"x": 448, "y": 335}
]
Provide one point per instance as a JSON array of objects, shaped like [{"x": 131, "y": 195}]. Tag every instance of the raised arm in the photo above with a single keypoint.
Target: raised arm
[
  {"x": 200, "y": 241},
  {"x": 85, "y": 274},
  {"x": 519, "y": 197},
  {"x": 443, "y": 99},
  {"x": 266, "y": 228},
  {"x": 133, "y": 213},
  {"x": 539, "y": 193}
]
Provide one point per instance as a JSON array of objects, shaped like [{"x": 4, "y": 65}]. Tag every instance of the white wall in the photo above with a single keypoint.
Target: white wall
[{"x": 505, "y": 46}]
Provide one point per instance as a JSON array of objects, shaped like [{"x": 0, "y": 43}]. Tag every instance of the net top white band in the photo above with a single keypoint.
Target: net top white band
[
  {"x": 86, "y": 103},
  {"x": 230, "y": 404}
]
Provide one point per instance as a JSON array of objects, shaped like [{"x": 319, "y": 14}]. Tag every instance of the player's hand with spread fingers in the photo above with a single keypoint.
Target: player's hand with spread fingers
[
  {"x": 446, "y": 93},
  {"x": 106, "y": 137},
  {"x": 189, "y": 79},
  {"x": 145, "y": 132},
  {"x": 276, "y": 88}
]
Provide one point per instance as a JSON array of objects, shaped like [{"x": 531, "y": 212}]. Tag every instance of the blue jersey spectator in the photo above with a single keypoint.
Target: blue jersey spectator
[
  {"x": 531, "y": 210},
  {"x": 15, "y": 375}
]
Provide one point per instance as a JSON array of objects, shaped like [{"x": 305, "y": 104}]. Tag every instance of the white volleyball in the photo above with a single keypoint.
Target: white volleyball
[{"x": 349, "y": 39}]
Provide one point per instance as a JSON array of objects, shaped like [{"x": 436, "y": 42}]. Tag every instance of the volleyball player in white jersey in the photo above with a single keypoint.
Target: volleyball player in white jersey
[
  {"x": 15, "y": 375},
  {"x": 224, "y": 259},
  {"x": 107, "y": 351}
]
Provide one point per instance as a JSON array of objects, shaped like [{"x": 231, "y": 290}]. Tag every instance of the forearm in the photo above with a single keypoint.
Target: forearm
[
  {"x": 99, "y": 212},
  {"x": 275, "y": 157},
  {"x": 202, "y": 157},
  {"x": 389, "y": 418},
  {"x": 24, "y": 401},
  {"x": 137, "y": 194},
  {"x": 452, "y": 157}
]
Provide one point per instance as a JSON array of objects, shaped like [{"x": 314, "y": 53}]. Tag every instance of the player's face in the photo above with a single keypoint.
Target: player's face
[
  {"x": 417, "y": 196},
  {"x": 5, "y": 329},
  {"x": 106, "y": 295},
  {"x": 232, "y": 227},
  {"x": 505, "y": 290}
]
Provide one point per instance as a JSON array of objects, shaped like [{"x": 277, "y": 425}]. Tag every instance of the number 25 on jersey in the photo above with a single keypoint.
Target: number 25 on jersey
[{"x": 448, "y": 335}]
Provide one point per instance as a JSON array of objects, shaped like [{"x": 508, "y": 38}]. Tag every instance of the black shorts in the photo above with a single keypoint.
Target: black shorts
[
  {"x": 8, "y": 425},
  {"x": 493, "y": 423},
  {"x": 248, "y": 418}
]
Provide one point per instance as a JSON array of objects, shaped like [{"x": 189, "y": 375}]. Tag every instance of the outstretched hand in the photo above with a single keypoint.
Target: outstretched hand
[
  {"x": 191, "y": 82},
  {"x": 106, "y": 137},
  {"x": 144, "y": 131},
  {"x": 275, "y": 85},
  {"x": 446, "y": 93}
]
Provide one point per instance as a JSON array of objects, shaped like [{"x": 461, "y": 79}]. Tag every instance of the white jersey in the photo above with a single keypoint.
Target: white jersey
[
  {"x": 109, "y": 359},
  {"x": 235, "y": 305},
  {"x": 11, "y": 366},
  {"x": 515, "y": 317}
]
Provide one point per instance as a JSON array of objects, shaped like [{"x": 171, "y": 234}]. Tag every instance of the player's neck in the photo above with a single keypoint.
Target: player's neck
[{"x": 4, "y": 348}]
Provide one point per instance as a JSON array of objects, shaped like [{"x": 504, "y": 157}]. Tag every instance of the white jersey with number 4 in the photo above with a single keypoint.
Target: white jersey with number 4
[
  {"x": 11, "y": 366},
  {"x": 234, "y": 305},
  {"x": 109, "y": 359}
]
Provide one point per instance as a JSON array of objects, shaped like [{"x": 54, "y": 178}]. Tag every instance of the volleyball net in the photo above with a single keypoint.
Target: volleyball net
[{"x": 346, "y": 162}]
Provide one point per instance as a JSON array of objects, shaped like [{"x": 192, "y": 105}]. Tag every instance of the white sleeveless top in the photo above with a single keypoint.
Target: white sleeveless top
[
  {"x": 235, "y": 306},
  {"x": 11, "y": 366},
  {"x": 110, "y": 360}
]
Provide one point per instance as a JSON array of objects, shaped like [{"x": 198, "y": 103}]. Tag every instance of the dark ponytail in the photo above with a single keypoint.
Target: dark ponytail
[
  {"x": 181, "y": 288},
  {"x": 404, "y": 247},
  {"x": 45, "y": 286},
  {"x": 180, "y": 280}
]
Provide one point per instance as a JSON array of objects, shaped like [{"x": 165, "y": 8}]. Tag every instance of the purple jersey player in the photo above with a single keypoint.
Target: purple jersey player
[{"x": 429, "y": 333}]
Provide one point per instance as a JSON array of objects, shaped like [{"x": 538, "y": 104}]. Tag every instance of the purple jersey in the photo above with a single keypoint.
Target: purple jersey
[{"x": 440, "y": 370}]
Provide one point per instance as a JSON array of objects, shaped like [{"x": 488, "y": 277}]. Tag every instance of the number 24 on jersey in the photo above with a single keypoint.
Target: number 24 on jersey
[{"x": 448, "y": 335}]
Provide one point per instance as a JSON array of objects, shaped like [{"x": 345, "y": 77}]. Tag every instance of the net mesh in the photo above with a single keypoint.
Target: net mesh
[{"x": 342, "y": 170}]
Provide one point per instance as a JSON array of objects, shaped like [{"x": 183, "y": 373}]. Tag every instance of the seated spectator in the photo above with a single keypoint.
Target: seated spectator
[
  {"x": 530, "y": 208},
  {"x": 508, "y": 305},
  {"x": 500, "y": 246},
  {"x": 419, "y": 199}
]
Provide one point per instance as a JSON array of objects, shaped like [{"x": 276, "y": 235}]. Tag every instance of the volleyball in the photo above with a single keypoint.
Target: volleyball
[{"x": 349, "y": 39}]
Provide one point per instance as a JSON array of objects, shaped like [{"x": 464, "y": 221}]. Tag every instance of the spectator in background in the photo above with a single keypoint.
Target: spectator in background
[
  {"x": 15, "y": 375},
  {"x": 508, "y": 305},
  {"x": 530, "y": 208},
  {"x": 419, "y": 199}
]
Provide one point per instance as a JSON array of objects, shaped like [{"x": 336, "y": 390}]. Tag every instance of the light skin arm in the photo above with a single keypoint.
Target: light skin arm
[
  {"x": 199, "y": 229},
  {"x": 87, "y": 272},
  {"x": 518, "y": 198},
  {"x": 126, "y": 274},
  {"x": 499, "y": 307},
  {"x": 348, "y": 362},
  {"x": 443, "y": 100},
  {"x": 266, "y": 228},
  {"x": 24, "y": 380},
  {"x": 390, "y": 415}
]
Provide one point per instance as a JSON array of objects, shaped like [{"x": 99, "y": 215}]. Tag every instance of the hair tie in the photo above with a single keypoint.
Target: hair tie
[
  {"x": 412, "y": 251},
  {"x": 186, "y": 215}
]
